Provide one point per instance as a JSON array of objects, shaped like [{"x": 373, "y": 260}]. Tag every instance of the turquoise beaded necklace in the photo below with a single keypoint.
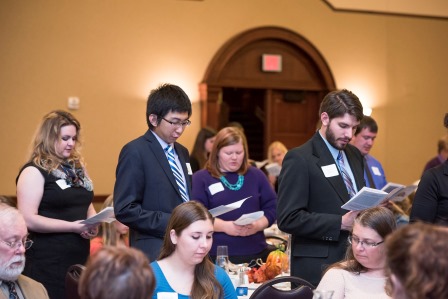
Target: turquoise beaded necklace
[{"x": 234, "y": 187}]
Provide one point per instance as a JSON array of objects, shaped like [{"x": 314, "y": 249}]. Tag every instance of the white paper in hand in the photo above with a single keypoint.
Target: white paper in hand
[
  {"x": 246, "y": 219},
  {"x": 227, "y": 208},
  {"x": 106, "y": 215}
]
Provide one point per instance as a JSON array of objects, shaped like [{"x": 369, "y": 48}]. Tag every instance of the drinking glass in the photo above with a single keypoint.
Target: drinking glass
[
  {"x": 322, "y": 294},
  {"x": 222, "y": 257}
]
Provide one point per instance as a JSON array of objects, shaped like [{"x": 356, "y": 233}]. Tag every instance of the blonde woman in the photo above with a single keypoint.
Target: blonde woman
[
  {"x": 111, "y": 234},
  {"x": 54, "y": 194}
]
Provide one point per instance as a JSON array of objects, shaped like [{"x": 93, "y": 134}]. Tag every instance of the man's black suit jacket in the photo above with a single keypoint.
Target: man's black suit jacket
[
  {"x": 309, "y": 206},
  {"x": 146, "y": 192}
]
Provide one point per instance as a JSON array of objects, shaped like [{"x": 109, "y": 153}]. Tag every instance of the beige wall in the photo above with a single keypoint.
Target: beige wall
[{"x": 112, "y": 53}]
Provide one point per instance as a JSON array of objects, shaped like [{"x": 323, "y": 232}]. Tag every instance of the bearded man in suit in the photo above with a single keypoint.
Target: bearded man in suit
[
  {"x": 13, "y": 243},
  {"x": 313, "y": 185}
]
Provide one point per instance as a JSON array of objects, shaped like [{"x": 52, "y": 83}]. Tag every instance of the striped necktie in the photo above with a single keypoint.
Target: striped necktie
[
  {"x": 12, "y": 289},
  {"x": 347, "y": 180},
  {"x": 176, "y": 171}
]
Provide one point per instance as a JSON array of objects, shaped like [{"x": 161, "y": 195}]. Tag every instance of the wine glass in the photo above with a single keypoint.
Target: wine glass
[{"x": 222, "y": 257}]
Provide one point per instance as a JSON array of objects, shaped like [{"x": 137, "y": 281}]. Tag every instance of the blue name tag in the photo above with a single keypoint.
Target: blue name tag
[{"x": 241, "y": 291}]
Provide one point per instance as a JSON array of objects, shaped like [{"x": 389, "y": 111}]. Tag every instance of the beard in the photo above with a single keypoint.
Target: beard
[
  {"x": 331, "y": 138},
  {"x": 9, "y": 271}
]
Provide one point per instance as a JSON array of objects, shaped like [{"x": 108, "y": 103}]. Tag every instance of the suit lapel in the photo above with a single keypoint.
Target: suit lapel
[{"x": 321, "y": 151}]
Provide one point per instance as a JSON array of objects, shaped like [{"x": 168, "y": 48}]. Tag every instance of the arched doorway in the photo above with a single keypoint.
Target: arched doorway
[{"x": 281, "y": 105}]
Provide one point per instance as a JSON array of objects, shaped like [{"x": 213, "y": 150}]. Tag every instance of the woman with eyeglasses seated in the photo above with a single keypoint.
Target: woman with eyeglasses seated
[
  {"x": 183, "y": 268},
  {"x": 362, "y": 273}
]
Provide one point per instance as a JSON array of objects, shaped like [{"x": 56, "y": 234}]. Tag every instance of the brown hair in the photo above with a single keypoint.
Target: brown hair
[
  {"x": 225, "y": 137},
  {"x": 116, "y": 273},
  {"x": 198, "y": 151},
  {"x": 382, "y": 221},
  {"x": 205, "y": 284},
  {"x": 418, "y": 258},
  {"x": 43, "y": 151},
  {"x": 108, "y": 230},
  {"x": 339, "y": 102}
]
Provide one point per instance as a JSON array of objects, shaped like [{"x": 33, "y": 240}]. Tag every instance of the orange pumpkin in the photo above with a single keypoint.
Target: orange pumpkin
[{"x": 278, "y": 258}]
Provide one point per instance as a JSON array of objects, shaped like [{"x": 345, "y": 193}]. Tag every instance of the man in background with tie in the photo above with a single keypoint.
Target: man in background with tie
[
  {"x": 13, "y": 243},
  {"x": 153, "y": 174},
  {"x": 317, "y": 178},
  {"x": 364, "y": 139}
]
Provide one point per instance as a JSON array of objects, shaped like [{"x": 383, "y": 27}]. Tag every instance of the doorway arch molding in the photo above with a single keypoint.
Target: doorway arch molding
[{"x": 238, "y": 64}]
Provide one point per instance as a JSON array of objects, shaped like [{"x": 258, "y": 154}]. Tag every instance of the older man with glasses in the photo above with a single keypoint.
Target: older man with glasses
[{"x": 13, "y": 244}]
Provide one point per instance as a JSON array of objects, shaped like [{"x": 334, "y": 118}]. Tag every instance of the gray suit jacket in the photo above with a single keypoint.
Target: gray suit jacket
[
  {"x": 309, "y": 206},
  {"x": 30, "y": 288},
  {"x": 146, "y": 192}
]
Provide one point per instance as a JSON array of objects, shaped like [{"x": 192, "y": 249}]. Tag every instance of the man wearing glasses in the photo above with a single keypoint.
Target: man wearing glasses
[
  {"x": 13, "y": 243},
  {"x": 153, "y": 175}
]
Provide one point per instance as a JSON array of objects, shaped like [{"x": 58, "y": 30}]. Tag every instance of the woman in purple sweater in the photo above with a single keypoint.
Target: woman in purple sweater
[{"x": 228, "y": 178}]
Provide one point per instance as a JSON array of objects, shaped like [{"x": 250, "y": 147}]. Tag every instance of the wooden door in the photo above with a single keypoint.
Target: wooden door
[{"x": 291, "y": 116}]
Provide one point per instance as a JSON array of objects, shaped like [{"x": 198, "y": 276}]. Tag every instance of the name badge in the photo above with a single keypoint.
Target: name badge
[
  {"x": 167, "y": 295},
  {"x": 215, "y": 188},
  {"x": 62, "y": 184},
  {"x": 190, "y": 172},
  {"x": 330, "y": 170},
  {"x": 376, "y": 171}
]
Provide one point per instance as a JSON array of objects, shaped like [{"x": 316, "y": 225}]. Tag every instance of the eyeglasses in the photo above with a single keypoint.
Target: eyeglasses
[
  {"x": 178, "y": 124},
  {"x": 366, "y": 244},
  {"x": 16, "y": 245}
]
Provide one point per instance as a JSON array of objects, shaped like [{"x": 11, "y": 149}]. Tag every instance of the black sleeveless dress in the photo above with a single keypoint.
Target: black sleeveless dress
[{"x": 50, "y": 256}]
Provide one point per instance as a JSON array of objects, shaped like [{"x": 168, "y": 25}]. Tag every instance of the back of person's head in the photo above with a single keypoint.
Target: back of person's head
[
  {"x": 235, "y": 124},
  {"x": 379, "y": 219},
  {"x": 225, "y": 137},
  {"x": 116, "y": 273},
  {"x": 339, "y": 102},
  {"x": 47, "y": 135},
  {"x": 445, "y": 121},
  {"x": 8, "y": 200},
  {"x": 367, "y": 123},
  {"x": 165, "y": 99},
  {"x": 442, "y": 144},
  {"x": 417, "y": 261}
]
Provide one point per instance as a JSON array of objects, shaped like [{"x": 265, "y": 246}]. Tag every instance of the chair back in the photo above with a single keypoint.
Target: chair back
[
  {"x": 72, "y": 281},
  {"x": 300, "y": 289}
]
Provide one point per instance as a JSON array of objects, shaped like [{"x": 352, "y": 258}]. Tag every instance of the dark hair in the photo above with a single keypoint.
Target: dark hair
[
  {"x": 116, "y": 273},
  {"x": 416, "y": 255},
  {"x": 165, "y": 99},
  {"x": 198, "y": 151},
  {"x": 445, "y": 120},
  {"x": 381, "y": 220},
  {"x": 367, "y": 122},
  {"x": 225, "y": 137},
  {"x": 442, "y": 144},
  {"x": 205, "y": 284},
  {"x": 339, "y": 102}
]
